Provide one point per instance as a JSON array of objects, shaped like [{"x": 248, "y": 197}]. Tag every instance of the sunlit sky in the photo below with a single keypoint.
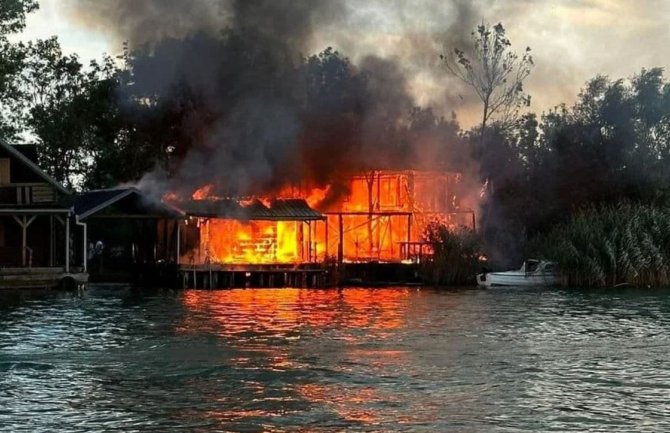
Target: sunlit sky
[
  {"x": 52, "y": 20},
  {"x": 572, "y": 40}
]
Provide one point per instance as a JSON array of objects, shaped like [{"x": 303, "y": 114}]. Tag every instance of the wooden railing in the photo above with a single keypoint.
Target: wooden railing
[{"x": 27, "y": 194}]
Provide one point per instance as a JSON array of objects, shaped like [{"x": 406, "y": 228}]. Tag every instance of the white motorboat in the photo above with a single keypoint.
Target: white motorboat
[{"x": 532, "y": 273}]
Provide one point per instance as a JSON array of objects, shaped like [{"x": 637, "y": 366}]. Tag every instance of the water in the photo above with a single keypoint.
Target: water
[{"x": 335, "y": 360}]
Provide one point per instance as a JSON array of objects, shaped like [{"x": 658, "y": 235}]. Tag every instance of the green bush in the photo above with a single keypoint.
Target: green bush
[{"x": 456, "y": 256}]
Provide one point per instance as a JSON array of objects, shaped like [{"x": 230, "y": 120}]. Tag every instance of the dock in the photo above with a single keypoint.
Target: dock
[
  {"x": 44, "y": 277},
  {"x": 218, "y": 276}
]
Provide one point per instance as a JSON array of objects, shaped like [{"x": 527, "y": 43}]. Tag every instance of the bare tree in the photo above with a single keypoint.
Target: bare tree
[{"x": 494, "y": 72}]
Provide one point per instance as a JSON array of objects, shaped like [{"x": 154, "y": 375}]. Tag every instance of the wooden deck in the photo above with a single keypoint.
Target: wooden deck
[
  {"x": 216, "y": 276},
  {"x": 41, "y": 278}
]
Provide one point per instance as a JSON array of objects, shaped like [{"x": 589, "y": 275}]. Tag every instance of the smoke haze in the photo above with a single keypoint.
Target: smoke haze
[{"x": 241, "y": 63}]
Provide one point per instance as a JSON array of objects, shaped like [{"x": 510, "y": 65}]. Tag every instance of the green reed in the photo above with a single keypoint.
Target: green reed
[
  {"x": 456, "y": 256},
  {"x": 603, "y": 246}
]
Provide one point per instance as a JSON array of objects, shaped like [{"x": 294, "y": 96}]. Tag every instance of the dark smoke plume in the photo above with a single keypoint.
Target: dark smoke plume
[{"x": 257, "y": 109}]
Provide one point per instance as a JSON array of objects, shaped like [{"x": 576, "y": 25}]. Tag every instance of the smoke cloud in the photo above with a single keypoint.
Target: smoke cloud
[
  {"x": 393, "y": 45},
  {"x": 257, "y": 108}
]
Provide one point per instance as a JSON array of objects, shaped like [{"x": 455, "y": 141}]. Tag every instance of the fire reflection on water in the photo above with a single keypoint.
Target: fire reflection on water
[
  {"x": 266, "y": 328},
  {"x": 277, "y": 312}
]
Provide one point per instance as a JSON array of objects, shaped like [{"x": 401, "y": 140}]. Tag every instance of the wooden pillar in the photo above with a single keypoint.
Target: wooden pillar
[
  {"x": 85, "y": 248},
  {"x": 309, "y": 241},
  {"x": 24, "y": 222},
  {"x": 177, "y": 259},
  {"x": 326, "y": 235},
  {"x": 340, "y": 246},
  {"x": 390, "y": 232},
  {"x": 301, "y": 240},
  {"x": 209, "y": 266},
  {"x": 409, "y": 228},
  {"x": 166, "y": 240},
  {"x": 24, "y": 240},
  {"x": 67, "y": 244},
  {"x": 51, "y": 240}
]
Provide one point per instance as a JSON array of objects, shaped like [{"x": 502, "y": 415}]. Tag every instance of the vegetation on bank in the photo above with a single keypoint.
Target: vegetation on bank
[
  {"x": 111, "y": 122},
  {"x": 607, "y": 245},
  {"x": 456, "y": 259}
]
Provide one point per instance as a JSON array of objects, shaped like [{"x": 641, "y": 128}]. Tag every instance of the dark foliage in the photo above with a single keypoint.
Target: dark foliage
[{"x": 456, "y": 256}]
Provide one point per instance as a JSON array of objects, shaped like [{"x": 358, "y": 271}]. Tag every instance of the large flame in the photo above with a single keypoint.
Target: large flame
[{"x": 381, "y": 217}]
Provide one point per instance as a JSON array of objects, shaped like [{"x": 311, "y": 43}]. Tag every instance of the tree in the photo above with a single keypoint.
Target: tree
[
  {"x": 494, "y": 72},
  {"x": 12, "y": 19},
  {"x": 13, "y": 15},
  {"x": 70, "y": 110}
]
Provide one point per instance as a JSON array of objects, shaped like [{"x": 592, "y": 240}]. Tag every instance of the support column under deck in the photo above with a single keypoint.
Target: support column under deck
[
  {"x": 67, "y": 244},
  {"x": 24, "y": 222}
]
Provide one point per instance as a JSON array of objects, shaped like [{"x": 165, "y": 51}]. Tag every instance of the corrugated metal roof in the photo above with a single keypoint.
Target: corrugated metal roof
[
  {"x": 279, "y": 210},
  {"x": 294, "y": 209}
]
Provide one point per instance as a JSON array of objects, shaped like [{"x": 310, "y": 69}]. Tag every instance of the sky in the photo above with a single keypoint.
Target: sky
[{"x": 571, "y": 40}]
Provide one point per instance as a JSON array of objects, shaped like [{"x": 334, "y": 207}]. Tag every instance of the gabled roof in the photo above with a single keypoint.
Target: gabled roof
[
  {"x": 34, "y": 167},
  {"x": 278, "y": 210},
  {"x": 92, "y": 202}
]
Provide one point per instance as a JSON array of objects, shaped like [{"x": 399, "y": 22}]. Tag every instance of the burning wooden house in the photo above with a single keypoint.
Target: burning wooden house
[
  {"x": 385, "y": 213},
  {"x": 233, "y": 232},
  {"x": 230, "y": 243},
  {"x": 377, "y": 216}
]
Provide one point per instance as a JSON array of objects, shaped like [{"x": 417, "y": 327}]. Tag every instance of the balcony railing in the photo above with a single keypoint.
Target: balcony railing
[{"x": 27, "y": 194}]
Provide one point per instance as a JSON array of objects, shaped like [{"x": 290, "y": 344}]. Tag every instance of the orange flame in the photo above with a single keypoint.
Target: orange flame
[
  {"x": 382, "y": 218},
  {"x": 203, "y": 192}
]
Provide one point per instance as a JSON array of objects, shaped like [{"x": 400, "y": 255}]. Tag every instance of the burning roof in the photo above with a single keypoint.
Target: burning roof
[{"x": 276, "y": 210}]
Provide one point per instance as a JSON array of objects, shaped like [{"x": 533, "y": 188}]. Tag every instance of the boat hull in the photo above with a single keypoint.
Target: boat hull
[{"x": 518, "y": 279}]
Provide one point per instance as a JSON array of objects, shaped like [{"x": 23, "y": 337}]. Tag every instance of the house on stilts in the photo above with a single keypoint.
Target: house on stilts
[
  {"x": 42, "y": 243},
  {"x": 132, "y": 237}
]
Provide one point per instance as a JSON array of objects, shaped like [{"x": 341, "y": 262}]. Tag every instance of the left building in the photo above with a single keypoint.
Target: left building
[{"x": 42, "y": 243}]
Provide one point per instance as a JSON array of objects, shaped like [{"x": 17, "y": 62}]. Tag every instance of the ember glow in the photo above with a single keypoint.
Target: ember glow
[
  {"x": 381, "y": 217},
  {"x": 257, "y": 242}
]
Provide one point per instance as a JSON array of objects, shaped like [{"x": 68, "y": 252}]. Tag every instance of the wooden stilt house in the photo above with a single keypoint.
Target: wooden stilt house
[{"x": 42, "y": 244}]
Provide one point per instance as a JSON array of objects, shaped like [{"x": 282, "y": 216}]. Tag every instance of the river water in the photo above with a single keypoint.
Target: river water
[{"x": 393, "y": 359}]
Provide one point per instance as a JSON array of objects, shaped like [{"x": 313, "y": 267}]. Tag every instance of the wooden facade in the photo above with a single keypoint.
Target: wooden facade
[
  {"x": 41, "y": 241},
  {"x": 131, "y": 237}
]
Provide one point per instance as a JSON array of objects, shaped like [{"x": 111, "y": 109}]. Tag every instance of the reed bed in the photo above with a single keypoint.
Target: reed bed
[
  {"x": 604, "y": 246},
  {"x": 456, "y": 256}
]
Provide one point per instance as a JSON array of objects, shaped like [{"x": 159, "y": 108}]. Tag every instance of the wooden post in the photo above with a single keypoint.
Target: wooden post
[
  {"x": 24, "y": 239},
  {"x": 177, "y": 260},
  {"x": 24, "y": 222},
  {"x": 67, "y": 244},
  {"x": 474, "y": 222},
  {"x": 409, "y": 228},
  {"x": 390, "y": 232},
  {"x": 209, "y": 268},
  {"x": 85, "y": 249},
  {"x": 301, "y": 240},
  {"x": 166, "y": 240},
  {"x": 326, "y": 245},
  {"x": 309, "y": 241},
  {"x": 51, "y": 240},
  {"x": 340, "y": 246}
]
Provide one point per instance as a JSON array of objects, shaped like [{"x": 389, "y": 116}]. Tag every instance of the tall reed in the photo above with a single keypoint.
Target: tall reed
[
  {"x": 602, "y": 246},
  {"x": 456, "y": 256}
]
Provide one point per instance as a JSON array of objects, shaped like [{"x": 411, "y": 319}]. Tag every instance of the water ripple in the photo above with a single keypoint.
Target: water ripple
[{"x": 366, "y": 360}]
